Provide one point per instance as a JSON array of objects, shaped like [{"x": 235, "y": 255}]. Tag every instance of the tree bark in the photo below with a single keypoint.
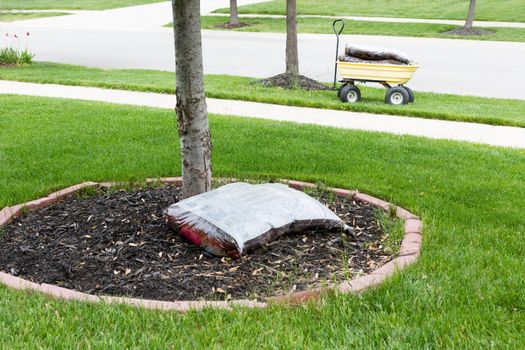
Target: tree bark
[
  {"x": 292, "y": 54},
  {"x": 470, "y": 17},
  {"x": 234, "y": 16},
  {"x": 192, "y": 115}
]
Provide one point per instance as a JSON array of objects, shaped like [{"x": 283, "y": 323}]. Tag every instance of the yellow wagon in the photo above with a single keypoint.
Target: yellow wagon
[{"x": 384, "y": 74}]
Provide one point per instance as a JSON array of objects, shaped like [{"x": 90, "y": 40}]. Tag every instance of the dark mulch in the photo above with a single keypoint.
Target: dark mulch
[
  {"x": 468, "y": 31},
  {"x": 229, "y": 25},
  {"x": 116, "y": 243},
  {"x": 290, "y": 81}
]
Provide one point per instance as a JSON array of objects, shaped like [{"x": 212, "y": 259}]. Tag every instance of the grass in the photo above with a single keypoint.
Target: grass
[
  {"x": 427, "y": 105},
  {"x": 69, "y": 4},
  {"x": 324, "y": 26},
  {"x": 20, "y": 16},
  {"x": 486, "y": 10},
  {"x": 393, "y": 228},
  {"x": 466, "y": 291}
]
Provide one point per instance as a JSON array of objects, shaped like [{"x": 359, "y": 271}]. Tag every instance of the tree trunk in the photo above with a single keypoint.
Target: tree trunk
[
  {"x": 192, "y": 115},
  {"x": 292, "y": 54},
  {"x": 470, "y": 17},
  {"x": 234, "y": 17}
]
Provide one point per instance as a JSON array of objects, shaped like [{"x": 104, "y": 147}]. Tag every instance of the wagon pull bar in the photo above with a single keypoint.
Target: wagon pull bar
[{"x": 337, "y": 32}]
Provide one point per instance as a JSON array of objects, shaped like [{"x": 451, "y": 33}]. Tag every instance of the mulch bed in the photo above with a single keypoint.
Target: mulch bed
[
  {"x": 468, "y": 31},
  {"x": 228, "y": 25},
  {"x": 115, "y": 242},
  {"x": 289, "y": 81}
]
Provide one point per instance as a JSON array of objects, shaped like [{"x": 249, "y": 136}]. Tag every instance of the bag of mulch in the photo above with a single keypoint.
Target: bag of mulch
[
  {"x": 371, "y": 53},
  {"x": 239, "y": 217},
  {"x": 346, "y": 58}
]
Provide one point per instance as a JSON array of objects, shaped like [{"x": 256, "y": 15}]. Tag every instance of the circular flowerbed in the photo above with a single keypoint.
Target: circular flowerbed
[{"x": 115, "y": 242}]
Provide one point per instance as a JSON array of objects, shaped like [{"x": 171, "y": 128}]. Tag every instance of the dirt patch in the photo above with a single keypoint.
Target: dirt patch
[
  {"x": 290, "y": 81},
  {"x": 228, "y": 25},
  {"x": 116, "y": 243},
  {"x": 468, "y": 32}
]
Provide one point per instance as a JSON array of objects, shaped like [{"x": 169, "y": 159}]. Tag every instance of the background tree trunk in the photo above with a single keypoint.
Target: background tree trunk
[
  {"x": 292, "y": 54},
  {"x": 470, "y": 17},
  {"x": 234, "y": 17},
  {"x": 192, "y": 115}
]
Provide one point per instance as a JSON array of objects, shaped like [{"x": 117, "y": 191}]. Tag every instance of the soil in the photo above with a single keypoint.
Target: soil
[
  {"x": 468, "y": 31},
  {"x": 289, "y": 81},
  {"x": 228, "y": 25},
  {"x": 115, "y": 242}
]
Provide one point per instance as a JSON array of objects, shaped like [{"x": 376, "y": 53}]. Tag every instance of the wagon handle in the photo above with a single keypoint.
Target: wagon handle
[
  {"x": 334, "y": 27},
  {"x": 337, "y": 32}
]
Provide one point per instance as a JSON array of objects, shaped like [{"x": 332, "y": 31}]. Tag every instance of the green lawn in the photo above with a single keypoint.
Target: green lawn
[
  {"x": 486, "y": 10},
  {"x": 69, "y": 4},
  {"x": 13, "y": 16},
  {"x": 324, "y": 26},
  {"x": 427, "y": 105},
  {"x": 466, "y": 291}
]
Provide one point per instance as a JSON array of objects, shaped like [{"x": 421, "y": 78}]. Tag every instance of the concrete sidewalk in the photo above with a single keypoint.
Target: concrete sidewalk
[
  {"x": 437, "y": 129},
  {"x": 488, "y": 24},
  {"x": 49, "y": 11}
]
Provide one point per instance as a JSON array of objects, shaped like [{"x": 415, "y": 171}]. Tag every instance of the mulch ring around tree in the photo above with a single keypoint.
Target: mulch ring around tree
[
  {"x": 290, "y": 81},
  {"x": 468, "y": 32},
  {"x": 229, "y": 25},
  {"x": 115, "y": 242}
]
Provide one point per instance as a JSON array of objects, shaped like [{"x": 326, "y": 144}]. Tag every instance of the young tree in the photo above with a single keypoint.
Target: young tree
[
  {"x": 291, "y": 78},
  {"x": 470, "y": 17},
  {"x": 292, "y": 53},
  {"x": 234, "y": 17},
  {"x": 192, "y": 115}
]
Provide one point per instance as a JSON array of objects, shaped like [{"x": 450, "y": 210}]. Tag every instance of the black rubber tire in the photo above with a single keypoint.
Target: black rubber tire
[
  {"x": 341, "y": 88},
  {"x": 410, "y": 94},
  {"x": 397, "y": 96},
  {"x": 350, "y": 94}
]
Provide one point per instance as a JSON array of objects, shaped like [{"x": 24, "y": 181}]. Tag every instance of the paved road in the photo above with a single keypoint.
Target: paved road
[
  {"x": 436, "y": 129},
  {"x": 131, "y": 38}
]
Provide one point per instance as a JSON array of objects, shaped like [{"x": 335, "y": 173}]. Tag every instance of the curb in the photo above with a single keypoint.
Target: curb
[{"x": 408, "y": 254}]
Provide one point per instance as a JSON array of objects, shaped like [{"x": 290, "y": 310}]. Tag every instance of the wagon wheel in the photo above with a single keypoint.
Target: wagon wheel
[
  {"x": 341, "y": 88},
  {"x": 350, "y": 93},
  {"x": 410, "y": 94},
  {"x": 397, "y": 95}
]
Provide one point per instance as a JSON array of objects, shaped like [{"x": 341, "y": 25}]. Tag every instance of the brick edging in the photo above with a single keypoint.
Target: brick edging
[{"x": 408, "y": 254}]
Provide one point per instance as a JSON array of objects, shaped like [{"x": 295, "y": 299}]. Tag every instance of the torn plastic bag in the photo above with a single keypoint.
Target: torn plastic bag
[
  {"x": 371, "y": 53},
  {"x": 239, "y": 217}
]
